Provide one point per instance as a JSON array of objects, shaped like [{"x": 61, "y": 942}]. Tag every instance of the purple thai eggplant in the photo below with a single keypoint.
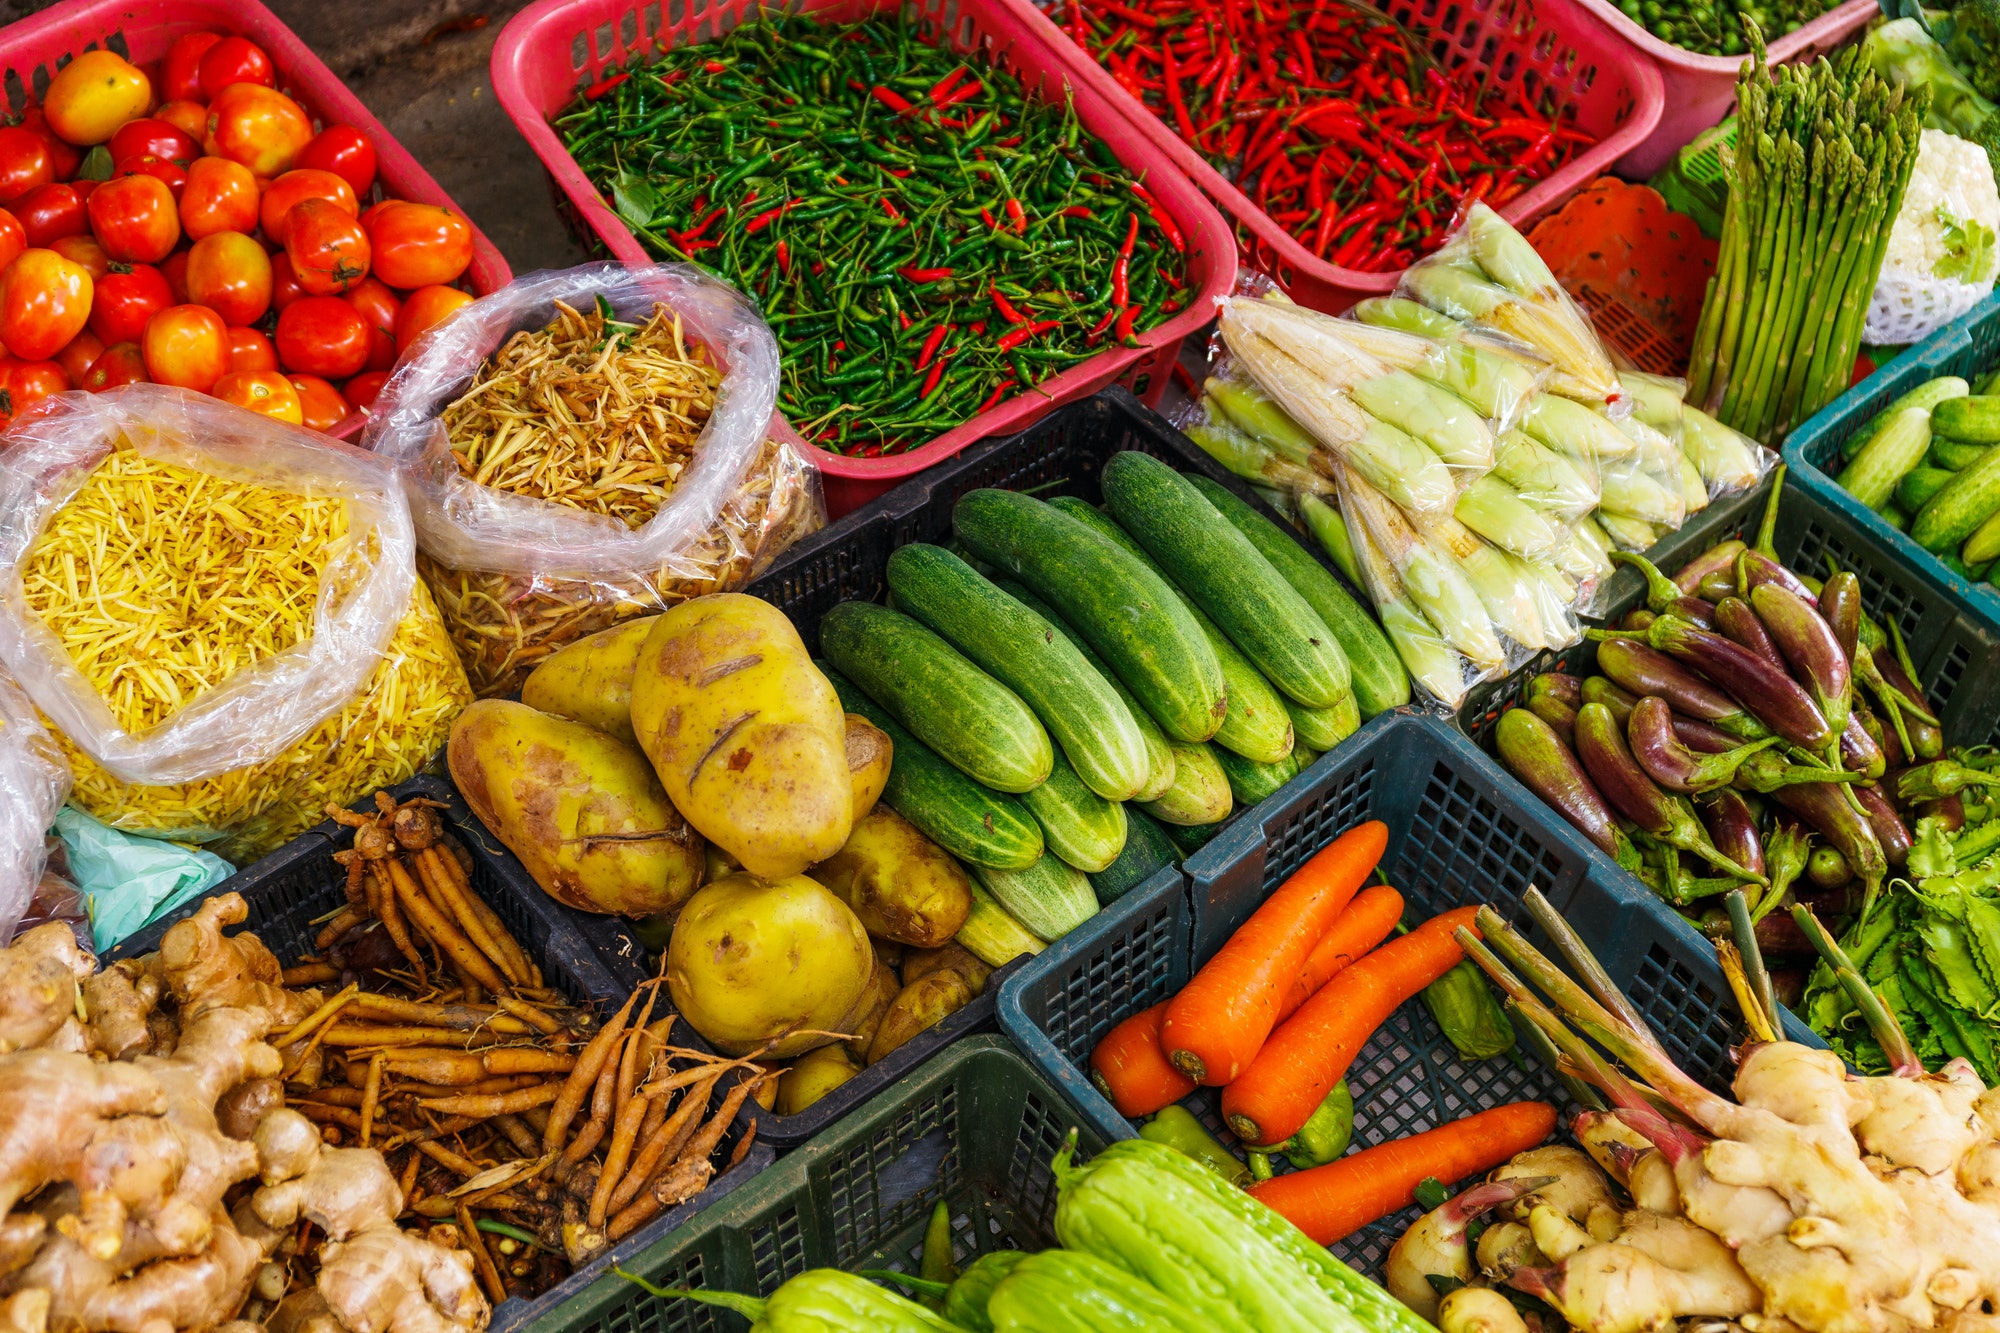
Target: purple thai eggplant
[
  {"x": 1840, "y": 603},
  {"x": 1554, "y": 697},
  {"x": 1771, "y": 696},
  {"x": 1754, "y": 569},
  {"x": 1714, "y": 587},
  {"x": 1941, "y": 778},
  {"x": 1948, "y": 811},
  {"x": 1766, "y": 772},
  {"x": 1715, "y": 560},
  {"x": 1826, "y": 808},
  {"x": 1858, "y": 750},
  {"x": 1643, "y": 670},
  {"x": 1736, "y": 620},
  {"x": 1786, "y": 849},
  {"x": 1557, "y": 684},
  {"x": 1926, "y": 740},
  {"x": 1890, "y": 830},
  {"x": 1608, "y": 760},
  {"x": 1818, "y": 662},
  {"x": 1601, "y": 690},
  {"x": 1673, "y": 765},
  {"x": 1663, "y": 595},
  {"x": 1701, "y": 737},
  {"x": 1826, "y": 868},
  {"x": 1637, "y": 618},
  {"x": 1732, "y": 826},
  {"x": 1536, "y": 755}
]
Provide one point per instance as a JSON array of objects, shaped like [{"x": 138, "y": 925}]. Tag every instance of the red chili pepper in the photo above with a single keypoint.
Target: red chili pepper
[
  {"x": 922, "y": 275},
  {"x": 986, "y": 216},
  {"x": 1123, "y": 333},
  {"x": 891, "y": 209},
  {"x": 947, "y": 83},
  {"x": 931, "y": 344},
  {"x": 1017, "y": 215},
  {"x": 1007, "y": 309},
  {"x": 963, "y": 94},
  {"x": 1013, "y": 338},
  {"x": 932, "y": 380},
  {"x": 1076, "y": 211},
  {"x": 892, "y": 99},
  {"x": 784, "y": 259},
  {"x": 768, "y": 216},
  {"x": 999, "y": 392},
  {"x": 603, "y": 86}
]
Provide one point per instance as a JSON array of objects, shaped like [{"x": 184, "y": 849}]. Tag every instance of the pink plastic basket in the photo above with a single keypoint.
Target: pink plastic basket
[
  {"x": 1533, "y": 46},
  {"x": 552, "y": 48},
  {"x": 1701, "y": 89},
  {"x": 32, "y": 50}
]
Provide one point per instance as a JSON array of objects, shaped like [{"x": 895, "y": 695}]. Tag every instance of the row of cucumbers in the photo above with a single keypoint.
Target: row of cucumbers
[
  {"x": 1079, "y": 697},
  {"x": 1928, "y": 463}
]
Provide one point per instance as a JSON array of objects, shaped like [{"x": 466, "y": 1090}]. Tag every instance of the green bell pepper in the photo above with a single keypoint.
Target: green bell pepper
[
  {"x": 1468, "y": 1014},
  {"x": 1321, "y": 1139}
]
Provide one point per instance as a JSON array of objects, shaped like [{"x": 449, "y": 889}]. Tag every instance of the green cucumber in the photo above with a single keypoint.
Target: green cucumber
[
  {"x": 1960, "y": 506},
  {"x": 1897, "y": 517},
  {"x": 1380, "y": 683},
  {"x": 1926, "y": 396},
  {"x": 1917, "y": 487},
  {"x": 1159, "y": 752},
  {"x": 1970, "y": 419},
  {"x": 1324, "y": 728},
  {"x": 1256, "y": 723},
  {"x": 1226, "y": 576},
  {"x": 969, "y": 718},
  {"x": 1890, "y": 453},
  {"x": 1024, "y": 652},
  {"x": 1147, "y": 851},
  {"x": 1200, "y": 794},
  {"x": 1955, "y": 455},
  {"x": 1078, "y": 825},
  {"x": 1983, "y": 545},
  {"x": 973, "y": 823},
  {"x": 1191, "y": 838},
  {"x": 991, "y": 934},
  {"x": 1051, "y": 897},
  {"x": 1323, "y": 520},
  {"x": 1251, "y": 782},
  {"x": 1129, "y": 614}
]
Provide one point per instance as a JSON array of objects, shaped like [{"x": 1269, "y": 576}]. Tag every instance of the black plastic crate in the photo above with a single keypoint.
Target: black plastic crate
[{"x": 290, "y": 888}]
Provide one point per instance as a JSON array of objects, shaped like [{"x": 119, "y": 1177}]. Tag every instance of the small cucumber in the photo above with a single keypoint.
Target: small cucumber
[
  {"x": 1256, "y": 723},
  {"x": 1917, "y": 487},
  {"x": 1960, "y": 506},
  {"x": 1024, "y": 652},
  {"x": 1984, "y": 543},
  {"x": 1955, "y": 455},
  {"x": 1078, "y": 825},
  {"x": 1147, "y": 851},
  {"x": 1323, "y": 520},
  {"x": 1972, "y": 419},
  {"x": 1226, "y": 576},
  {"x": 1926, "y": 396},
  {"x": 1324, "y": 728},
  {"x": 991, "y": 934},
  {"x": 1200, "y": 794},
  {"x": 1251, "y": 782},
  {"x": 1890, "y": 453},
  {"x": 1897, "y": 517},
  {"x": 974, "y": 824},
  {"x": 971, "y": 719},
  {"x": 1051, "y": 898},
  {"x": 1191, "y": 838}
]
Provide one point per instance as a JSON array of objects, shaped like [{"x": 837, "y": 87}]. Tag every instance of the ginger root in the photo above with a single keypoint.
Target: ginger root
[
  {"x": 382, "y": 1279},
  {"x": 39, "y": 973},
  {"x": 205, "y": 969}
]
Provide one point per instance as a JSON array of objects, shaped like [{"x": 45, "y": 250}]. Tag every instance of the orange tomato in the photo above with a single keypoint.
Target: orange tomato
[
  {"x": 285, "y": 287},
  {"x": 93, "y": 95},
  {"x": 188, "y": 346},
  {"x": 121, "y": 363},
  {"x": 295, "y": 187},
  {"x": 123, "y": 303},
  {"x": 190, "y": 118},
  {"x": 362, "y": 391},
  {"x": 231, "y": 275},
  {"x": 44, "y": 302},
  {"x": 79, "y": 354},
  {"x": 419, "y": 245},
  {"x": 220, "y": 195},
  {"x": 257, "y": 126},
  {"x": 180, "y": 69},
  {"x": 262, "y": 391},
  {"x": 376, "y": 209},
  {"x": 13, "y": 237},
  {"x": 251, "y": 350},
  {"x": 328, "y": 249},
  {"x": 86, "y": 251},
  {"x": 422, "y": 310},
  {"x": 135, "y": 219},
  {"x": 175, "y": 271},
  {"x": 322, "y": 335},
  {"x": 323, "y": 406},
  {"x": 25, "y": 162}
]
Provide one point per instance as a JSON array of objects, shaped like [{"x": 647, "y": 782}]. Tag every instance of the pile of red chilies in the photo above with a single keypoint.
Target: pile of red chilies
[{"x": 1318, "y": 114}]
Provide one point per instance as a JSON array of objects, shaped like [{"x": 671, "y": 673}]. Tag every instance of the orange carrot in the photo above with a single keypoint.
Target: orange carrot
[
  {"x": 1338, "y": 1199},
  {"x": 1311, "y": 1051},
  {"x": 1365, "y": 924},
  {"x": 1129, "y": 1067},
  {"x": 1215, "y": 1026}
]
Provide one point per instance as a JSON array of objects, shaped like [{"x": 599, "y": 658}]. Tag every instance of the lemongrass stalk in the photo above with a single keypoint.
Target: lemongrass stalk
[
  {"x": 1744, "y": 932},
  {"x": 1889, "y": 1034},
  {"x": 1531, "y": 1035},
  {"x": 1580, "y": 960}
]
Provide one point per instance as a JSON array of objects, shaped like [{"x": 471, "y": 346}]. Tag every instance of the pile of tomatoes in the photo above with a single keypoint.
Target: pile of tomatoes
[{"x": 182, "y": 223}]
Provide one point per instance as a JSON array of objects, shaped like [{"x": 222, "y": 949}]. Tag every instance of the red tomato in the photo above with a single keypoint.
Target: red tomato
[
  {"x": 24, "y": 162},
  {"x": 379, "y": 306},
  {"x": 135, "y": 218},
  {"x": 362, "y": 391},
  {"x": 234, "y": 60},
  {"x": 64, "y": 157},
  {"x": 13, "y": 238},
  {"x": 190, "y": 118},
  {"x": 231, "y": 275},
  {"x": 91, "y": 96},
  {"x": 44, "y": 302},
  {"x": 126, "y": 301},
  {"x": 262, "y": 391},
  {"x": 324, "y": 407},
  {"x": 423, "y": 309},
  {"x": 322, "y": 335},
  {"x": 251, "y": 350},
  {"x": 180, "y": 71},
  {"x": 84, "y": 251},
  {"x": 186, "y": 345},
  {"x": 172, "y": 174},
  {"x": 28, "y": 382},
  {"x": 79, "y": 354},
  {"x": 148, "y": 137},
  {"x": 50, "y": 212},
  {"x": 328, "y": 249},
  {"x": 285, "y": 287},
  {"x": 295, "y": 187},
  {"x": 175, "y": 270},
  {"x": 420, "y": 245},
  {"x": 122, "y": 363},
  {"x": 374, "y": 210},
  {"x": 220, "y": 196},
  {"x": 346, "y": 152},
  {"x": 259, "y": 127}
]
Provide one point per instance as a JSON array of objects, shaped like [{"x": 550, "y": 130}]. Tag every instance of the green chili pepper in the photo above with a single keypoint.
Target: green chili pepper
[{"x": 1176, "y": 1127}]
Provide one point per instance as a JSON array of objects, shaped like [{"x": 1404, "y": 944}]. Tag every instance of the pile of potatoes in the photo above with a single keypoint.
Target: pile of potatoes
[{"x": 695, "y": 771}]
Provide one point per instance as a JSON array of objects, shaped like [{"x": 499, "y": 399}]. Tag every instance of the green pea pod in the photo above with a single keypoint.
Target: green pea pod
[
  {"x": 965, "y": 1304},
  {"x": 1176, "y": 1127},
  {"x": 1321, "y": 1139},
  {"x": 1469, "y": 1015}
]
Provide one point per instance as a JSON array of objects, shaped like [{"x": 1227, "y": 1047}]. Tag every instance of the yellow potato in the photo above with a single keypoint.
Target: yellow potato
[
  {"x": 717, "y": 864},
  {"x": 583, "y": 810},
  {"x": 747, "y": 736},
  {"x": 590, "y": 681},
  {"x": 869, "y": 752},
  {"x": 953, "y": 957},
  {"x": 766, "y": 1094},
  {"x": 902, "y": 885},
  {"x": 866, "y": 1016},
  {"x": 753, "y": 960},
  {"x": 812, "y": 1076},
  {"x": 919, "y": 1006}
]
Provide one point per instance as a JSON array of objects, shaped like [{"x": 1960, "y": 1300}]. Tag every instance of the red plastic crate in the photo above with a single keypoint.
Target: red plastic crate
[
  {"x": 32, "y": 50},
  {"x": 1533, "y": 47},
  {"x": 551, "y": 49}
]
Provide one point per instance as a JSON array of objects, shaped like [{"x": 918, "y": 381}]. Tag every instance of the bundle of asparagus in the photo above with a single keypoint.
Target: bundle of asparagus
[{"x": 1823, "y": 153}]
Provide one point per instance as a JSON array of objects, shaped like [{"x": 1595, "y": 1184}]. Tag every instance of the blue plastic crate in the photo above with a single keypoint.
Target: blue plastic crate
[
  {"x": 1460, "y": 831},
  {"x": 1968, "y": 347}
]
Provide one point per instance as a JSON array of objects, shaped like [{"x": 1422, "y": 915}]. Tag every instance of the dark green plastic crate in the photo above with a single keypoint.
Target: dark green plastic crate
[{"x": 974, "y": 1126}]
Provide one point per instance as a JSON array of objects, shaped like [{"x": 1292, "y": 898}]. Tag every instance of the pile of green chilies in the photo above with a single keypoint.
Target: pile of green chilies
[
  {"x": 1716, "y": 27},
  {"x": 1823, "y": 153},
  {"x": 924, "y": 240}
]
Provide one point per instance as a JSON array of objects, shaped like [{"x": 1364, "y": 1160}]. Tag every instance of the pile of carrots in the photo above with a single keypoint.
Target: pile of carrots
[{"x": 1275, "y": 1018}]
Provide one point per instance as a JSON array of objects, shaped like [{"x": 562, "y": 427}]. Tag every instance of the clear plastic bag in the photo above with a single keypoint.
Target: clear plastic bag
[
  {"x": 1952, "y": 191},
  {"x": 518, "y": 576},
  {"x": 34, "y": 782}
]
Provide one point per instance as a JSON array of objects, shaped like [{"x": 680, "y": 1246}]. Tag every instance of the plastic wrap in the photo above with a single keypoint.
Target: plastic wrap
[
  {"x": 347, "y": 686},
  {"x": 517, "y": 576},
  {"x": 34, "y": 782},
  {"x": 129, "y": 881},
  {"x": 1949, "y": 216}
]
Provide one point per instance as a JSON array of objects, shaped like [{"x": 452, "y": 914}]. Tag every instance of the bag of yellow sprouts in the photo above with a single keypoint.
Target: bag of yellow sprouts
[{"x": 217, "y": 614}]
